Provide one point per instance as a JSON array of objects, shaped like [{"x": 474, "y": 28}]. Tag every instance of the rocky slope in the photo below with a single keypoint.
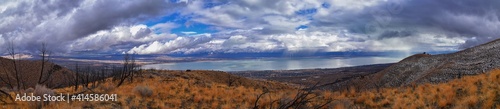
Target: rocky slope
[{"x": 425, "y": 68}]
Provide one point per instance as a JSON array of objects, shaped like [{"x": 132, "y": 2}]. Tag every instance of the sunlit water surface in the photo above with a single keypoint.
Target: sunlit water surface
[{"x": 273, "y": 64}]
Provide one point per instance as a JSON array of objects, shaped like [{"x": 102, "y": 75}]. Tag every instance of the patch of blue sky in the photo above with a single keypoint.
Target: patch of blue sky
[
  {"x": 308, "y": 13},
  {"x": 325, "y": 5},
  {"x": 174, "y": 1},
  {"x": 301, "y": 27},
  {"x": 175, "y": 17},
  {"x": 185, "y": 25},
  {"x": 193, "y": 28},
  {"x": 213, "y": 4}
]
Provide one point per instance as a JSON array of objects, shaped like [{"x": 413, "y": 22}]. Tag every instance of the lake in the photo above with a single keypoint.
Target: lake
[{"x": 273, "y": 63}]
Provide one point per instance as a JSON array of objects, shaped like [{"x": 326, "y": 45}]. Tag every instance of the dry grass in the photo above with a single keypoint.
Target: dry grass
[
  {"x": 173, "y": 89},
  {"x": 189, "y": 90},
  {"x": 479, "y": 91}
]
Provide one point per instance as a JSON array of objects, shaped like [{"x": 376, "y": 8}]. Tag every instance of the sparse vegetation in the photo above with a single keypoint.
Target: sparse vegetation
[{"x": 173, "y": 89}]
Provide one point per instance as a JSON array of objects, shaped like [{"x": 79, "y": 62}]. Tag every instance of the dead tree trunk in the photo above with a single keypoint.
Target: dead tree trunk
[
  {"x": 127, "y": 70},
  {"x": 12, "y": 54},
  {"x": 76, "y": 77}
]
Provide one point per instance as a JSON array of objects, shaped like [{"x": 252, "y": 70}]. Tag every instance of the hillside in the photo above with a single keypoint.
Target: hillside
[
  {"x": 30, "y": 72},
  {"x": 178, "y": 89},
  {"x": 175, "y": 89},
  {"x": 424, "y": 68}
]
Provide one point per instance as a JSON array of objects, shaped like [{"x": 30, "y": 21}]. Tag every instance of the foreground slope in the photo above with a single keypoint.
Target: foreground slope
[
  {"x": 194, "y": 89},
  {"x": 173, "y": 89}
]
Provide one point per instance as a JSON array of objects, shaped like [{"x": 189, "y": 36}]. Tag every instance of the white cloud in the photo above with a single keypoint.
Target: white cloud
[
  {"x": 104, "y": 40},
  {"x": 18, "y": 56},
  {"x": 353, "y": 5},
  {"x": 301, "y": 41},
  {"x": 164, "y": 27},
  {"x": 5, "y": 4},
  {"x": 249, "y": 14},
  {"x": 170, "y": 46},
  {"x": 2, "y": 40},
  {"x": 419, "y": 43}
]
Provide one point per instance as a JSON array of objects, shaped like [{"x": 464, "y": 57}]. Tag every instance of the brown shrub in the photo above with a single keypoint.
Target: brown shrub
[
  {"x": 29, "y": 90},
  {"x": 40, "y": 90},
  {"x": 144, "y": 91}
]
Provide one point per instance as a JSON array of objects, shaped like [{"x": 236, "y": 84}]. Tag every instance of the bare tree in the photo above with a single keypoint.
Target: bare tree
[
  {"x": 87, "y": 77},
  {"x": 44, "y": 53},
  {"x": 12, "y": 54},
  {"x": 77, "y": 73},
  {"x": 256, "y": 103},
  {"x": 127, "y": 70},
  {"x": 102, "y": 74},
  {"x": 300, "y": 100},
  {"x": 131, "y": 68}
]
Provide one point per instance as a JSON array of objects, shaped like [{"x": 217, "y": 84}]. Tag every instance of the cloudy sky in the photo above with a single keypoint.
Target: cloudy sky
[{"x": 75, "y": 27}]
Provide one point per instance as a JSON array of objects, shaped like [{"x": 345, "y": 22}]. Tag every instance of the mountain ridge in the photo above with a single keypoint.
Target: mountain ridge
[{"x": 424, "y": 68}]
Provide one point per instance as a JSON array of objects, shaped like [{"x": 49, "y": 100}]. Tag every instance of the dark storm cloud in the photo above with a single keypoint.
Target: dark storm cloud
[
  {"x": 26, "y": 14},
  {"x": 60, "y": 22},
  {"x": 467, "y": 18},
  {"x": 107, "y": 14},
  {"x": 392, "y": 34},
  {"x": 21, "y": 21},
  {"x": 474, "y": 19}
]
